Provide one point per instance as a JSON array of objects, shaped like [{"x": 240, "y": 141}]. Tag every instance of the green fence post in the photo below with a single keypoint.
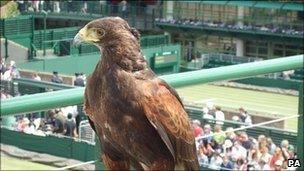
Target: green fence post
[
  {"x": 6, "y": 48},
  {"x": 145, "y": 19},
  {"x": 4, "y": 36},
  {"x": 133, "y": 14},
  {"x": 300, "y": 148},
  {"x": 44, "y": 32},
  {"x": 31, "y": 56},
  {"x": 153, "y": 18}
]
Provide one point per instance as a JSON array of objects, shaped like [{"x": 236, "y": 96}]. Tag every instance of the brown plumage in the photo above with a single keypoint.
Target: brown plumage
[{"x": 139, "y": 118}]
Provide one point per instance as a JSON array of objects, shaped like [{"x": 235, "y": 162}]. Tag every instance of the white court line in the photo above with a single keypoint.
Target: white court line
[{"x": 75, "y": 165}]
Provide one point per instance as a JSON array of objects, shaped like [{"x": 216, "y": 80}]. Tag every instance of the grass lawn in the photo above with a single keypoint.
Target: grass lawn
[
  {"x": 278, "y": 104},
  {"x": 10, "y": 163}
]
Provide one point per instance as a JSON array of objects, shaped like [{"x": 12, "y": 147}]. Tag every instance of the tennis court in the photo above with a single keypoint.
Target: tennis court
[
  {"x": 264, "y": 102},
  {"x": 11, "y": 163}
]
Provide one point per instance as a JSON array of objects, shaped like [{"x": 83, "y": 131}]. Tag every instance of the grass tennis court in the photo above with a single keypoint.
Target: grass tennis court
[
  {"x": 279, "y": 104},
  {"x": 10, "y": 163}
]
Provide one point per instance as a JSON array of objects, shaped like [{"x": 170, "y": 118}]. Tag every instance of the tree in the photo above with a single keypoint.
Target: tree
[{"x": 9, "y": 9}]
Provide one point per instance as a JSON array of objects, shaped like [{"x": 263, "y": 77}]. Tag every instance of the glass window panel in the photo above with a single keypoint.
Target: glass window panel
[{"x": 263, "y": 51}]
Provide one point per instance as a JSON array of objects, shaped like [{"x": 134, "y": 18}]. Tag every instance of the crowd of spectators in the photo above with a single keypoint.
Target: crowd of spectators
[
  {"x": 56, "y": 6},
  {"x": 267, "y": 28},
  {"x": 229, "y": 150},
  {"x": 57, "y": 121},
  {"x": 64, "y": 121},
  {"x": 38, "y": 6}
]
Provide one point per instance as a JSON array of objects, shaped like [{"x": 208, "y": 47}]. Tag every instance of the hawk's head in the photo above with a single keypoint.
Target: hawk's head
[{"x": 104, "y": 30}]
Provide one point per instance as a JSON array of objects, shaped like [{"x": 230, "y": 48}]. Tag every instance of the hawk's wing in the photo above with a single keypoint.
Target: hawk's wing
[{"x": 165, "y": 111}]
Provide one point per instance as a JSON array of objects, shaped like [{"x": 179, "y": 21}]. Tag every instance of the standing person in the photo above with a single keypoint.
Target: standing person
[
  {"x": 40, "y": 5},
  {"x": 60, "y": 122},
  {"x": 190, "y": 52},
  {"x": 84, "y": 77},
  {"x": 56, "y": 78},
  {"x": 244, "y": 116},
  {"x": 79, "y": 81},
  {"x": 69, "y": 6},
  {"x": 206, "y": 114},
  {"x": 124, "y": 8},
  {"x": 219, "y": 115},
  {"x": 70, "y": 127},
  {"x": 160, "y": 8},
  {"x": 84, "y": 9},
  {"x": 56, "y": 6},
  {"x": 21, "y": 6},
  {"x": 36, "y": 5},
  {"x": 14, "y": 70}
]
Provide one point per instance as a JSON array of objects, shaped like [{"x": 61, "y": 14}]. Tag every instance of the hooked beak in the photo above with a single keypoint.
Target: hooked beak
[{"x": 77, "y": 39}]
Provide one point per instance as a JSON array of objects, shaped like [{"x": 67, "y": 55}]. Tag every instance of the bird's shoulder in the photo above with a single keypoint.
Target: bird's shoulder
[{"x": 164, "y": 109}]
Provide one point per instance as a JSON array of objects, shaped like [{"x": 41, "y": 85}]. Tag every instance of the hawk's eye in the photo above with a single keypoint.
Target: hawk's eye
[{"x": 100, "y": 32}]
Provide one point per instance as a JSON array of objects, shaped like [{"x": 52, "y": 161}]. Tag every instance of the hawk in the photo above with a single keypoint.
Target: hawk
[{"x": 139, "y": 119}]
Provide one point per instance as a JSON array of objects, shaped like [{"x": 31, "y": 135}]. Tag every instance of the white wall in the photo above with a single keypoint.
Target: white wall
[{"x": 16, "y": 52}]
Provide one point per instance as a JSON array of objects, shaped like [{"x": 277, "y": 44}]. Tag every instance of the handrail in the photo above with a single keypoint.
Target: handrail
[
  {"x": 49, "y": 100},
  {"x": 42, "y": 84}
]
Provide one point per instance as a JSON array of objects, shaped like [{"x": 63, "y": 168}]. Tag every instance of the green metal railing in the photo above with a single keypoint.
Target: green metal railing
[
  {"x": 49, "y": 100},
  {"x": 42, "y": 84},
  {"x": 74, "y": 96}
]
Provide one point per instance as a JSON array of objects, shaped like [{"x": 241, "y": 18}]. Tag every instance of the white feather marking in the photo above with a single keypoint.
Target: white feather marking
[
  {"x": 145, "y": 167},
  {"x": 107, "y": 126}
]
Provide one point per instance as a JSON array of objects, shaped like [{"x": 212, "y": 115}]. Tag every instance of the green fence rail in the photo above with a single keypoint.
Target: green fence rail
[{"x": 74, "y": 96}]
